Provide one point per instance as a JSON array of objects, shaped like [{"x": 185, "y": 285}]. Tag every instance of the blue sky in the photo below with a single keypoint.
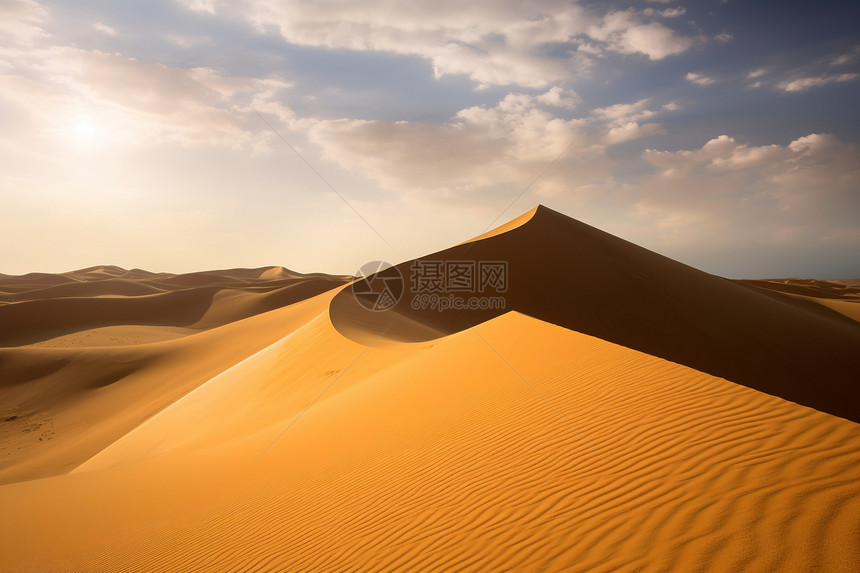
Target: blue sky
[{"x": 720, "y": 133}]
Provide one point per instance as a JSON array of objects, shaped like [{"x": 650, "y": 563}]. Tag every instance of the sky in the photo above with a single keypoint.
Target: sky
[{"x": 182, "y": 135}]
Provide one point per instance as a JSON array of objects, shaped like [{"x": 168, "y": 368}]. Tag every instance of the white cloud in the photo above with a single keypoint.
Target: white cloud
[
  {"x": 128, "y": 101},
  {"x": 806, "y": 83},
  {"x": 21, "y": 22},
  {"x": 482, "y": 150},
  {"x": 557, "y": 97},
  {"x": 72, "y": 94},
  {"x": 623, "y": 32},
  {"x": 623, "y": 122},
  {"x": 699, "y": 79},
  {"x": 492, "y": 43},
  {"x": 625, "y": 112},
  {"x": 723, "y": 37},
  {"x": 730, "y": 191},
  {"x": 757, "y": 73},
  {"x": 479, "y": 151},
  {"x": 630, "y": 131}
]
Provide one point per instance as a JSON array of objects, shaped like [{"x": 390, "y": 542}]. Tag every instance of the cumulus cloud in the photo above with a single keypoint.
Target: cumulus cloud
[
  {"x": 630, "y": 131},
  {"x": 624, "y": 122},
  {"x": 492, "y": 43},
  {"x": 623, "y": 32},
  {"x": 808, "y": 190},
  {"x": 480, "y": 147},
  {"x": 484, "y": 149},
  {"x": 801, "y": 84},
  {"x": 720, "y": 154},
  {"x": 558, "y": 97},
  {"x": 625, "y": 112}
]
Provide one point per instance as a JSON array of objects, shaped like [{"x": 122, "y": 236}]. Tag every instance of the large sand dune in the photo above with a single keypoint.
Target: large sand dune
[
  {"x": 567, "y": 273},
  {"x": 583, "y": 429}
]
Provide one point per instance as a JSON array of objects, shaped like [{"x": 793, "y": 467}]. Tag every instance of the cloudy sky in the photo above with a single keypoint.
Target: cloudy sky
[{"x": 180, "y": 135}]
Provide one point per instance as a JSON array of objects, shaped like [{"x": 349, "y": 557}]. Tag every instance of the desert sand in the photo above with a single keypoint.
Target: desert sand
[{"x": 623, "y": 412}]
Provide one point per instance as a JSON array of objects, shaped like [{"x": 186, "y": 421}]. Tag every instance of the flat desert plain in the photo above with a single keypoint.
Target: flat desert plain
[{"x": 622, "y": 412}]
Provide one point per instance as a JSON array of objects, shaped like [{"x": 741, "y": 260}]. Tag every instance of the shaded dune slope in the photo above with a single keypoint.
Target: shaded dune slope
[{"x": 567, "y": 273}]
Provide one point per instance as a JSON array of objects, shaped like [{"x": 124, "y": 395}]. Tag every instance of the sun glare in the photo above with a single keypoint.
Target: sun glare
[{"x": 85, "y": 131}]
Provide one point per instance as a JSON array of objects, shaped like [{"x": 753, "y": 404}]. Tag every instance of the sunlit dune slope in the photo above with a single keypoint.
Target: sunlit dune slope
[
  {"x": 573, "y": 275},
  {"x": 515, "y": 445},
  {"x": 65, "y": 399}
]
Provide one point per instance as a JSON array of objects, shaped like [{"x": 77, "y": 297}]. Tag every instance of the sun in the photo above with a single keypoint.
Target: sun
[{"x": 85, "y": 131}]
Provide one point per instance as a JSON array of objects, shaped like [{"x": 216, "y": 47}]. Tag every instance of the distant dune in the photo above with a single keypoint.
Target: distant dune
[
  {"x": 107, "y": 296},
  {"x": 622, "y": 412}
]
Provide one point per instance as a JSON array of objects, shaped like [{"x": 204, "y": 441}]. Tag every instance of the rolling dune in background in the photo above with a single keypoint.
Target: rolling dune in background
[{"x": 623, "y": 412}]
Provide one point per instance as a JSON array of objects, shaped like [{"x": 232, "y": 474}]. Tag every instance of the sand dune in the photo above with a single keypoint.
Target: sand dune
[
  {"x": 567, "y": 273},
  {"x": 90, "y": 396},
  {"x": 104, "y": 287},
  {"x": 845, "y": 289},
  {"x": 506, "y": 441}
]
